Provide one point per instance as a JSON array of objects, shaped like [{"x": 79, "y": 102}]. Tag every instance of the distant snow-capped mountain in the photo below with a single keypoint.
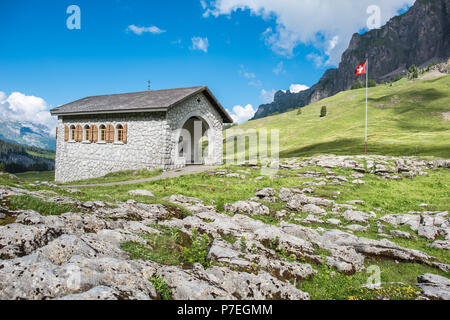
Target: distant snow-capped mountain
[{"x": 27, "y": 133}]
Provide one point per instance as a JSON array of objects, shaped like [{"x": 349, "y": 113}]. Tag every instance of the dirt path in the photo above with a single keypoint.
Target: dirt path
[{"x": 165, "y": 175}]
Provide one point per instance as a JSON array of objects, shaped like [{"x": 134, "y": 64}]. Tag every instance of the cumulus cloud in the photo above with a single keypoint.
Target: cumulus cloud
[
  {"x": 296, "y": 88},
  {"x": 242, "y": 114},
  {"x": 140, "y": 30},
  {"x": 199, "y": 43},
  {"x": 20, "y": 107},
  {"x": 268, "y": 95},
  {"x": 328, "y": 25}
]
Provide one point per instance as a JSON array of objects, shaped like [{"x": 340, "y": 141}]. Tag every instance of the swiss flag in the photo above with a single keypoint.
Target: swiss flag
[{"x": 361, "y": 69}]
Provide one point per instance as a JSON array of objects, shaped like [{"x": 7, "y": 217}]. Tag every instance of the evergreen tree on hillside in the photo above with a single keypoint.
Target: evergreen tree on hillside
[
  {"x": 413, "y": 72},
  {"x": 323, "y": 112},
  {"x": 356, "y": 85},
  {"x": 371, "y": 83}
]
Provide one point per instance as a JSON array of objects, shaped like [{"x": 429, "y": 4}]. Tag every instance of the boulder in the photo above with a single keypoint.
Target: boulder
[
  {"x": 143, "y": 193},
  {"x": 18, "y": 240},
  {"x": 434, "y": 287},
  {"x": 401, "y": 234},
  {"x": 312, "y": 208},
  {"x": 248, "y": 207},
  {"x": 357, "y": 216}
]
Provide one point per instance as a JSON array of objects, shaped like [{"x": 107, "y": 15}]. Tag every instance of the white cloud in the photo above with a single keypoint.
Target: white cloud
[
  {"x": 255, "y": 83},
  {"x": 249, "y": 75},
  {"x": 279, "y": 69},
  {"x": 328, "y": 25},
  {"x": 140, "y": 30},
  {"x": 242, "y": 114},
  {"x": 296, "y": 88},
  {"x": 199, "y": 43},
  {"x": 268, "y": 95},
  {"x": 20, "y": 107}
]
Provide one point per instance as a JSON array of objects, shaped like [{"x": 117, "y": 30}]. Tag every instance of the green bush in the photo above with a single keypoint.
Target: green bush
[
  {"x": 371, "y": 83},
  {"x": 198, "y": 251},
  {"x": 413, "y": 72},
  {"x": 356, "y": 85},
  {"x": 161, "y": 287},
  {"x": 299, "y": 112},
  {"x": 323, "y": 112}
]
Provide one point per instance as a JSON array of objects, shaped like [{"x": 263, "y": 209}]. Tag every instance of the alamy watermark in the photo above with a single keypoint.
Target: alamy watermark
[
  {"x": 374, "y": 20},
  {"x": 199, "y": 144},
  {"x": 73, "y": 22}
]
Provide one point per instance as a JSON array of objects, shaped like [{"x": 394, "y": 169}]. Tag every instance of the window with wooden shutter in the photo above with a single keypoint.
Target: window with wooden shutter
[
  {"x": 110, "y": 133},
  {"x": 120, "y": 133},
  {"x": 87, "y": 133},
  {"x": 79, "y": 134},
  {"x": 73, "y": 133},
  {"x": 66, "y": 133},
  {"x": 125, "y": 129},
  {"x": 103, "y": 133},
  {"x": 94, "y": 133}
]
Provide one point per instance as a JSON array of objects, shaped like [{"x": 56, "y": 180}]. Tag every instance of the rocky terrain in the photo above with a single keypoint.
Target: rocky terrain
[
  {"x": 419, "y": 36},
  {"x": 81, "y": 255}
]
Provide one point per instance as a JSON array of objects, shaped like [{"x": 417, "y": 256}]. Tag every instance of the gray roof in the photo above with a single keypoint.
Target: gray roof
[{"x": 146, "y": 101}]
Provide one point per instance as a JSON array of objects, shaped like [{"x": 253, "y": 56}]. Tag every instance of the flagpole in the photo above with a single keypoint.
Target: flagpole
[{"x": 367, "y": 84}]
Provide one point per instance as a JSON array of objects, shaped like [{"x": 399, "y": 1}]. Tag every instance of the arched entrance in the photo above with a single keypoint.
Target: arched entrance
[{"x": 194, "y": 141}]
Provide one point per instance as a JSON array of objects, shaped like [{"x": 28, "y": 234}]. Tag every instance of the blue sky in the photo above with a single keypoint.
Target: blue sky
[{"x": 243, "y": 51}]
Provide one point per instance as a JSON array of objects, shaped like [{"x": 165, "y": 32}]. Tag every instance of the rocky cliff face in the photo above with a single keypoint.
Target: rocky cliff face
[{"x": 419, "y": 36}]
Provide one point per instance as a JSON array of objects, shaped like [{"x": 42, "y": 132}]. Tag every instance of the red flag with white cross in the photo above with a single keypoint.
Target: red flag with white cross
[{"x": 361, "y": 69}]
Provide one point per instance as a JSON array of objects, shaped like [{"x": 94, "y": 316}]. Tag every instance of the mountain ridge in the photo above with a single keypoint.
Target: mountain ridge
[
  {"x": 419, "y": 36},
  {"x": 27, "y": 133}
]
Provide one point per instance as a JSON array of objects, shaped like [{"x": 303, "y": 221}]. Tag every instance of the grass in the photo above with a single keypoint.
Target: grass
[
  {"x": 405, "y": 119},
  {"x": 32, "y": 176},
  {"x": 121, "y": 176},
  {"x": 171, "y": 247},
  {"x": 397, "y": 282},
  {"x": 43, "y": 207}
]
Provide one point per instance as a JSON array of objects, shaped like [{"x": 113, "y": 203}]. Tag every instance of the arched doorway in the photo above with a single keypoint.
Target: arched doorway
[{"x": 194, "y": 140}]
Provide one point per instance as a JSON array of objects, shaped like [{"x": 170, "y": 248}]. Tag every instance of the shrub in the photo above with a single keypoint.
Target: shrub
[
  {"x": 161, "y": 288},
  {"x": 299, "y": 112},
  {"x": 371, "y": 83},
  {"x": 356, "y": 85},
  {"x": 413, "y": 72},
  {"x": 243, "y": 244},
  {"x": 397, "y": 77},
  {"x": 323, "y": 112},
  {"x": 198, "y": 251}
]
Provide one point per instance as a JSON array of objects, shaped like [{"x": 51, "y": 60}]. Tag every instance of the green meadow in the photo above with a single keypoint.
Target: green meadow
[{"x": 405, "y": 119}]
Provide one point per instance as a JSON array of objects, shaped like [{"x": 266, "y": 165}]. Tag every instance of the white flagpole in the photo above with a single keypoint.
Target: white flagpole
[{"x": 367, "y": 82}]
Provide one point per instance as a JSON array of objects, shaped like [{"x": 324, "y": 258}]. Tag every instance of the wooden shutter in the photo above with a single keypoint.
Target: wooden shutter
[
  {"x": 90, "y": 134},
  {"x": 78, "y": 133},
  {"x": 110, "y": 133},
  {"x": 94, "y": 132},
  {"x": 125, "y": 129},
  {"x": 66, "y": 133}
]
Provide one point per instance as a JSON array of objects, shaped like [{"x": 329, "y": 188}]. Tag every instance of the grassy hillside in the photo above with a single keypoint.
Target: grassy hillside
[
  {"x": 18, "y": 158},
  {"x": 404, "y": 119}
]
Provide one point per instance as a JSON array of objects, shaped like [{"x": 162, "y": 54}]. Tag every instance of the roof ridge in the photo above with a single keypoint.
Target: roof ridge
[{"x": 145, "y": 91}]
